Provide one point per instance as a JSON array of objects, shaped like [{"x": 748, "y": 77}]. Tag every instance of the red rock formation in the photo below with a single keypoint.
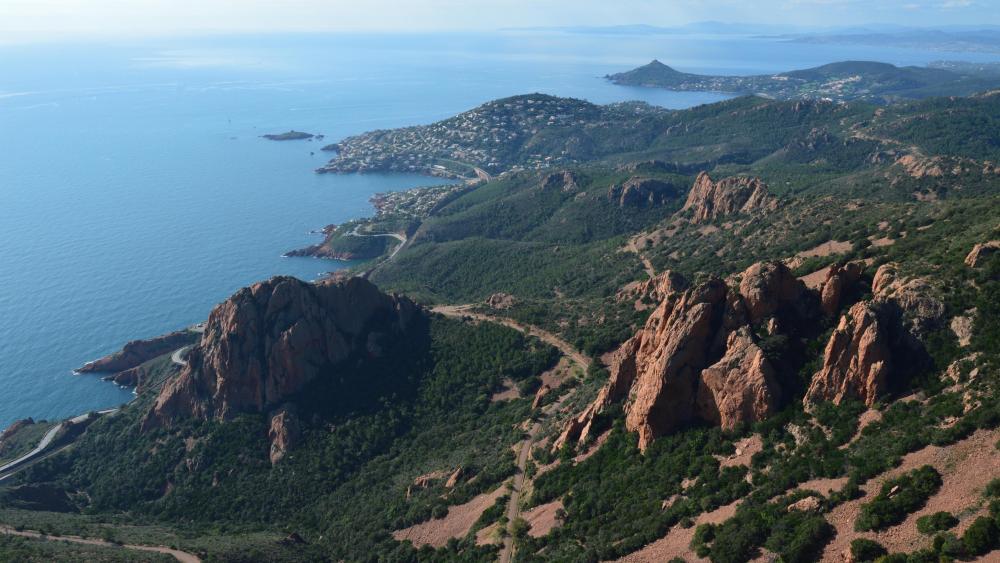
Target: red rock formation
[
  {"x": 139, "y": 352},
  {"x": 283, "y": 434},
  {"x": 266, "y": 342},
  {"x": 741, "y": 387},
  {"x": 838, "y": 279},
  {"x": 767, "y": 286},
  {"x": 696, "y": 358},
  {"x": 501, "y": 301},
  {"x": 980, "y": 252},
  {"x": 540, "y": 395},
  {"x": 708, "y": 200},
  {"x": 672, "y": 351},
  {"x": 641, "y": 192},
  {"x": 914, "y": 297},
  {"x": 856, "y": 361},
  {"x": 655, "y": 288}
]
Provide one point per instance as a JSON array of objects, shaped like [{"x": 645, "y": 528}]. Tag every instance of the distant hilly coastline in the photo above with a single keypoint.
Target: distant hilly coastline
[
  {"x": 841, "y": 81},
  {"x": 986, "y": 40}
]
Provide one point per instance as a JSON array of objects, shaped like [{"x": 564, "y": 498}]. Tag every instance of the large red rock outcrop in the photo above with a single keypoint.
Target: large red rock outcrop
[
  {"x": 269, "y": 340},
  {"x": 856, "y": 361},
  {"x": 672, "y": 351},
  {"x": 696, "y": 358},
  {"x": 708, "y": 200},
  {"x": 741, "y": 387},
  {"x": 767, "y": 286}
]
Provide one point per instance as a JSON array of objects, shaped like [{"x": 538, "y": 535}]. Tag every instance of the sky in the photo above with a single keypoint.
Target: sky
[{"x": 59, "y": 20}]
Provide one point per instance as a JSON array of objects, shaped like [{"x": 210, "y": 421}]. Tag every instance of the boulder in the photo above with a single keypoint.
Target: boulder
[
  {"x": 501, "y": 301},
  {"x": 767, "y": 286}
]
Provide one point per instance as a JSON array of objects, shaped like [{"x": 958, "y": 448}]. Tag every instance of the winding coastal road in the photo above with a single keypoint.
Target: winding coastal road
[{"x": 42, "y": 444}]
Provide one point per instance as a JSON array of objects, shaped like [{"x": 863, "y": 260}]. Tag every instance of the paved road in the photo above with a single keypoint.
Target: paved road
[
  {"x": 42, "y": 444},
  {"x": 182, "y": 556},
  {"x": 178, "y": 356},
  {"x": 9, "y": 469},
  {"x": 402, "y": 242}
]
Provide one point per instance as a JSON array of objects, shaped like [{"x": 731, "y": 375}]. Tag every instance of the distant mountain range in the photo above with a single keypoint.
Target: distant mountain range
[{"x": 848, "y": 80}]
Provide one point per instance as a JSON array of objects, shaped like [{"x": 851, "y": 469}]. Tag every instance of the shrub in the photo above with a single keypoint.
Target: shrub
[
  {"x": 911, "y": 492},
  {"x": 519, "y": 527},
  {"x": 863, "y": 549},
  {"x": 937, "y": 522},
  {"x": 992, "y": 489},
  {"x": 439, "y": 511},
  {"x": 982, "y": 536}
]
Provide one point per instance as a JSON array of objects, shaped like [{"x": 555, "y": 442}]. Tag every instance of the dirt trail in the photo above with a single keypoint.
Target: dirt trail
[
  {"x": 182, "y": 556},
  {"x": 514, "y": 506},
  {"x": 568, "y": 350}
]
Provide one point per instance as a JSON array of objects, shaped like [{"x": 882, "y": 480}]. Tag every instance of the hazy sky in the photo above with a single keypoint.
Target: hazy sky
[{"x": 44, "y": 20}]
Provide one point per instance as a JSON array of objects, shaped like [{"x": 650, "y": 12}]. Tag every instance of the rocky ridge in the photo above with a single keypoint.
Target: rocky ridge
[
  {"x": 700, "y": 355},
  {"x": 698, "y": 358}
]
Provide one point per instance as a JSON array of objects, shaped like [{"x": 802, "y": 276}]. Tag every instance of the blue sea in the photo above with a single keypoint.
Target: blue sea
[{"x": 136, "y": 192}]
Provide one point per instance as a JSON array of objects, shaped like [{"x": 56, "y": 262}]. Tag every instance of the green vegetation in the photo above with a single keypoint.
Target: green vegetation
[
  {"x": 15, "y": 549},
  {"x": 864, "y": 550},
  {"x": 560, "y": 243},
  {"x": 937, "y": 522},
  {"x": 897, "y": 498},
  {"x": 352, "y": 457}
]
